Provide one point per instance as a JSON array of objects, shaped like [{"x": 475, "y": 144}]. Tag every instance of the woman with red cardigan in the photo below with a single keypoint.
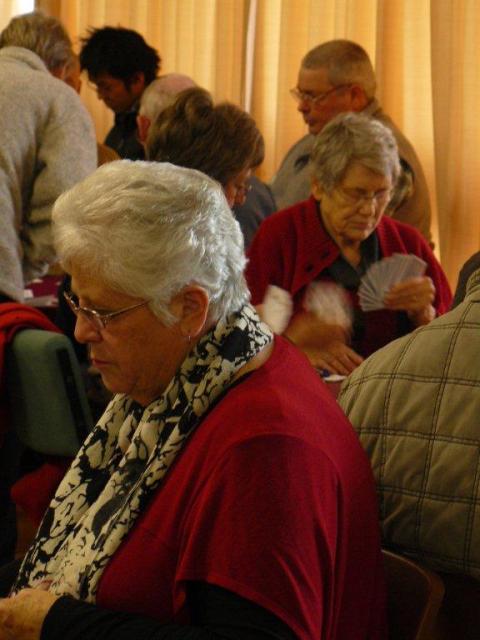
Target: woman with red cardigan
[{"x": 336, "y": 235}]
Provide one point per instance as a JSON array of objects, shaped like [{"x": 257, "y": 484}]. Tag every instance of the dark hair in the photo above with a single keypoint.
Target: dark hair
[
  {"x": 219, "y": 140},
  {"x": 119, "y": 52}
]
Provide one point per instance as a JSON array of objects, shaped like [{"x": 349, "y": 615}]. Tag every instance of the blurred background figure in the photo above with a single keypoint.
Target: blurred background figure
[
  {"x": 470, "y": 266},
  {"x": 335, "y": 236},
  {"x": 73, "y": 78},
  {"x": 221, "y": 140},
  {"x": 120, "y": 65},
  {"x": 335, "y": 77},
  {"x": 258, "y": 202},
  {"x": 48, "y": 144},
  {"x": 157, "y": 96}
]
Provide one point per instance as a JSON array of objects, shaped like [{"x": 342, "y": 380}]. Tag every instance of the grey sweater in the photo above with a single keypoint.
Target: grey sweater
[{"x": 47, "y": 145}]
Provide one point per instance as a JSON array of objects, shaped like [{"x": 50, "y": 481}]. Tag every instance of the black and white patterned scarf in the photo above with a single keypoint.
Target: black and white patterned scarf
[{"x": 126, "y": 457}]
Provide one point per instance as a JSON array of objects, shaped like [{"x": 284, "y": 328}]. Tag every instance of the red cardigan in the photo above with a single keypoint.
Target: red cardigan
[
  {"x": 292, "y": 248},
  {"x": 272, "y": 498}
]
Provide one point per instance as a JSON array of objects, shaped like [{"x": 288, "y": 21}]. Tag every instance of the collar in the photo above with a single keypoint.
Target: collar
[
  {"x": 27, "y": 57},
  {"x": 316, "y": 249}
]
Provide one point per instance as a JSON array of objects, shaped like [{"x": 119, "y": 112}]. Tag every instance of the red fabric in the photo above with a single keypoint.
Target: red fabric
[
  {"x": 34, "y": 491},
  {"x": 292, "y": 248},
  {"x": 272, "y": 498}
]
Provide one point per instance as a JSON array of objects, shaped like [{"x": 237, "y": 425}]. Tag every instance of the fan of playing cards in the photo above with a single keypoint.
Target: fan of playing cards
[{"x": 382, "y": 275}]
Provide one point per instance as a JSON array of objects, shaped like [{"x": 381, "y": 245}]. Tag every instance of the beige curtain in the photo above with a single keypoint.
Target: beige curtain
[
  {"x": 10, "y": 8},
  {"x": 425, "y": 54}
]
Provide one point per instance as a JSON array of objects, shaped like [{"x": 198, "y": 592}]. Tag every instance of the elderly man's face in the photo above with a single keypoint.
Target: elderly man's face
[{"x": 322, "y": 101}]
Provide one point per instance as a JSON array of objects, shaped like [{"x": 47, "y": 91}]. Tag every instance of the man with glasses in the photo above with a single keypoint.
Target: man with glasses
[{"x": 335, "y": 77}]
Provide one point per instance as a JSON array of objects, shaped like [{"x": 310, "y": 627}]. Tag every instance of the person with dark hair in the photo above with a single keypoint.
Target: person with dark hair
[
  {"x": 221, "y": 140},
  {"x": 471, "y": 265},
  {"x": 120, "y": 64}
]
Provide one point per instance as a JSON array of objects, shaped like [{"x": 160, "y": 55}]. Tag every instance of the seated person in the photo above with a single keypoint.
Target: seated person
[
  {"x": 336, "y": 236},
  {"x": 223, "y": 493},
  {"x": 471, "y": 265},
  {"x": 221, "y": 140},
  {"x": 415, "y": 406}
]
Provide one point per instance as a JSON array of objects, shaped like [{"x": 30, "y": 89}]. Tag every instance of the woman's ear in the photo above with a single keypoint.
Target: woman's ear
[
  {"x": 190, "y": 306},
  {"x": 317, "y": 191}
]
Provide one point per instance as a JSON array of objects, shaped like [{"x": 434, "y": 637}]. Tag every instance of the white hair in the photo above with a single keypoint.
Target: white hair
[
  {"x": 147, "y": 229},
  {"x": 41, "y": 34},
  {"x": 353, "y": 137},
  {"x": 161, "y": 92}
]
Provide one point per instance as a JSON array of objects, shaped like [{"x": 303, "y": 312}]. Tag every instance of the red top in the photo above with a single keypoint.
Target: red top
[
  {"x": 292, "y": 248},
  {"x": 273, "y": 499}
]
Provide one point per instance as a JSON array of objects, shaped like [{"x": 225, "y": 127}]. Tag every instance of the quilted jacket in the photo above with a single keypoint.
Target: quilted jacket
[{"x": 416, "y": 407}]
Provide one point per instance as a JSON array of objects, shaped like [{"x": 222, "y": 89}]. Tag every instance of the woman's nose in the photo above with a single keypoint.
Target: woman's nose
[{"x": 85, "y": 332}]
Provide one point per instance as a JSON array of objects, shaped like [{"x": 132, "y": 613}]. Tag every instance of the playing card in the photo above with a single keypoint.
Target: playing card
[{"x": 382, "y": 275}]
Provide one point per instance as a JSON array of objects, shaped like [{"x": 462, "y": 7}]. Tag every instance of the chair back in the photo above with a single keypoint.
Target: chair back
[
  {"x": 48, "y": 403},
  {"x": 414, "y": 596}
]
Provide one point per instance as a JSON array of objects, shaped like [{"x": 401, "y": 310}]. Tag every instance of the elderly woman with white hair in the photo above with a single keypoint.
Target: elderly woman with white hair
[
  {"x": 223, "y": 494},
  {"x": 335, "y": 237}
]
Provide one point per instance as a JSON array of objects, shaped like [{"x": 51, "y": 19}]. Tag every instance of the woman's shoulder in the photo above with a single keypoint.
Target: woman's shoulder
[
  {"x": 294, "y": 221},
  {"x": 285, "y": 397},
  {"x": 390, "y": 230}
]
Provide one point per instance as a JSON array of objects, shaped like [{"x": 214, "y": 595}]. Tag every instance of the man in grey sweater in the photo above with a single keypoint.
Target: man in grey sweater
[
  {"x": 335, "y": 77},
  {"x": 48, "y": 144}
]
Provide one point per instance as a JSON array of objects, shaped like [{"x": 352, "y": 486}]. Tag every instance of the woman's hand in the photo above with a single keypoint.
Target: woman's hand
[
  {"x": 415, "y": 296},
  {"x": 324, "y": 345},
  {"x": 22, "y": 615},
  {"x": 335, "y": 357}
]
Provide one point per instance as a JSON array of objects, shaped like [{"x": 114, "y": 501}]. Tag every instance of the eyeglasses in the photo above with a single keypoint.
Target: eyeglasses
[
  {"x": 302, "y": 96},
  {"x": 95, "y": 318},
  {"x": 357, "y": 197}
]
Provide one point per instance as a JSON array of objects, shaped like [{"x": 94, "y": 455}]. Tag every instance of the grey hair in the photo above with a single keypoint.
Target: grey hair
[
  {"x": 41, "y": 34},
  {"x": 161, "y": 92},
  {"x": 148, "y": 229},
  {"x": 349, "y": 138},
  {"x": 346, "y": 62}
]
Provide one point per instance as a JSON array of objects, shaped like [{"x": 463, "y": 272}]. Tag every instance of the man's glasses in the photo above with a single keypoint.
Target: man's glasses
[
  {"x": 302, "y": 96},
  {"x": 357, "y": 197},
  {"x": 98, "y": 320}
]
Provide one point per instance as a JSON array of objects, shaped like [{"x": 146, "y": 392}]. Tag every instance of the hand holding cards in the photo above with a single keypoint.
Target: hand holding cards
[{"x": 382, "y": 276}]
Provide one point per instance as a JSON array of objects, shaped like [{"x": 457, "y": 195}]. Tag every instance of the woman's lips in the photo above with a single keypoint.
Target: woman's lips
[{"x": 98, "y": 363}]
